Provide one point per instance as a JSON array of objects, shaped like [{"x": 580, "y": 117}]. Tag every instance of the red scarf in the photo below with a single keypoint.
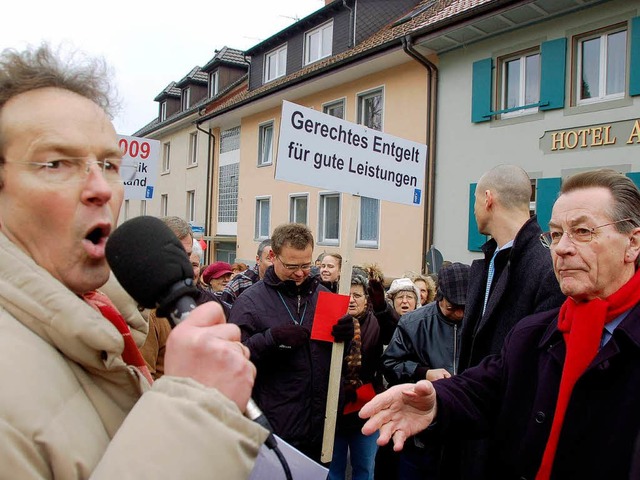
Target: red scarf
[
  {"x": 582, "y": 325},
  {"x": 131, "y": 355}
]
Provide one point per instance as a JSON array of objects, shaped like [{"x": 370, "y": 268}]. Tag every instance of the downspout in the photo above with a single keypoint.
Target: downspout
[
  {"x": 210, "y": 164},
  {"x": 432, "y": 110},
  {"x": 351, "y": 26}
]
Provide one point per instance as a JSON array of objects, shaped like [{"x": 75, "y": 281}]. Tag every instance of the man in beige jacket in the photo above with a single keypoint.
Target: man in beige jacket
[{"x": 76, "y": 402}]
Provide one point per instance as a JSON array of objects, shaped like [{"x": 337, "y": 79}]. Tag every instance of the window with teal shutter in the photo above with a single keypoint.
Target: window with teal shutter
[
  {"x": 481, "y": 90},
  {"x": 634, "y": 58},
  {"x": 635, "y": 178},
  {"x": 547, "y": 190},
  {"x": 475, "y": 239},
  {"x": 552, "y": 73}
]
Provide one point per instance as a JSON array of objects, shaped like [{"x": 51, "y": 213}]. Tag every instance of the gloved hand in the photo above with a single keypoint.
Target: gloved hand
[
  {"x": 376, "y": 295},
  {"x": 350, "y": 393},
  {"x": 343, "y": 330},
  {"x": 288, "y": 337}
]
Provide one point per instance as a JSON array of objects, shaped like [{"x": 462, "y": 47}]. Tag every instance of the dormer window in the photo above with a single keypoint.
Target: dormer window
[
  {"x": 163, "y": 111},
  {"x": 213, "y": 83},
  {"x": 318, "y": 43},
  {"x": 186, "y": 98},
  {"x": 275, "y": 63}
]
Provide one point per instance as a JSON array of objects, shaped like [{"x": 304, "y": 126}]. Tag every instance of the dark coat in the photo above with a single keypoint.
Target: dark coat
[
  {"x": 291, "y": 386},
  {"x": 512, "y": 397},
  {"x": 523, "y": 283},
  {"x": 424, "y": 338}
]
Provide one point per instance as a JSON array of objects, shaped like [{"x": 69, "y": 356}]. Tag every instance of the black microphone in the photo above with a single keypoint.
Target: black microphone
[{"x": 152, "y": 266}]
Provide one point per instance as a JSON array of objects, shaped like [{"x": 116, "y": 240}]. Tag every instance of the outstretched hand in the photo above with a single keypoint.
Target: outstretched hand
[{"x": 400, "y": 412}]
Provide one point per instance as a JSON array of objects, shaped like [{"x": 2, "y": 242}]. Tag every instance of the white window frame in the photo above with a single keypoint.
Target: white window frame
[
  {"x": 362, "y": 98},
  {"x": 522, "y": 87},
  {"x": 261, "y": 203},
  {"x": 323, "y": 238},
  {"x": 186, "y": 98},
  {"x": 368, "y": 243},
  {"x": 166, "y": 157},
  {"x": 329, "y": 106},
  {"x": 192, "y": 160},
  {"x": 265, "y": 153},
  {"x": 294, "y": 198},
  {"x": 602, "y": 66},
  {"x": 163, "y": 111},
  {"x": 279, "y": 56},
  {"x": 164, "y": 204},
  {"x": 214, "y": 83},
  {"x": 324, "y": 30},
  {"x": 143, "y": 208},
  {"x": 191, "y": 206}
]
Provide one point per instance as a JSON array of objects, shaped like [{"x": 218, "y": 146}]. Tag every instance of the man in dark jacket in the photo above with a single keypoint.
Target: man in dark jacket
[
  {"x": 561, "y": 400},
  {"x": 426, "y": 345},
  {"x": 275, "y": 316}
]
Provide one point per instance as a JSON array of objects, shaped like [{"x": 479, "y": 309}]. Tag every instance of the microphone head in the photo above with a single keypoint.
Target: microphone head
[{"x": 150, "y": 263}]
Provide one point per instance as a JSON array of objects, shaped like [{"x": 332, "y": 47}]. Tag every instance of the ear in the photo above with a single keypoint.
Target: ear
[
  {"x": 488, "y": 199},
  {"x": 633, "y": 249}
]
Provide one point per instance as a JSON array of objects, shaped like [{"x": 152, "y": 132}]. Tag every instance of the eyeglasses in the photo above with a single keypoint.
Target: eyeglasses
[
  {"x": 404, "y": 296},
  {"x": 294, "y": 267},
  {"x": 72, "y": 170},
  {"x": 577, "y": 235}
]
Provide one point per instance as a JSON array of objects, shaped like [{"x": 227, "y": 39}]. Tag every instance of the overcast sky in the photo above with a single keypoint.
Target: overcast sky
[{"x": 148, "y": 43}]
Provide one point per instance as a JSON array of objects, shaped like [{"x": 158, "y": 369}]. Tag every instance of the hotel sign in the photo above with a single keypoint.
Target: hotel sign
[{"x": 613, "y": 134}]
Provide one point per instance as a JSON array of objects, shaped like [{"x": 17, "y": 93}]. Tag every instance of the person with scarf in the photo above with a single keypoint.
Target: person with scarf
[
  {"x": 361, "y": 379},
  {"x": 561, "y": 399}
]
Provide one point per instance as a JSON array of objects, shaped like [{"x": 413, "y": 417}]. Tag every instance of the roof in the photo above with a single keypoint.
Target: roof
[
  {"x": 196, "y": 75},
  {"x": 170, "y": 90},
  {"x": 226, "y": 56}
]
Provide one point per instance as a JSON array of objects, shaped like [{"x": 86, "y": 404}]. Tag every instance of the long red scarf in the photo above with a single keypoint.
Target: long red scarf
[
  {"x": 131, "y": 355},
  {"x": 582, "y": 325}
]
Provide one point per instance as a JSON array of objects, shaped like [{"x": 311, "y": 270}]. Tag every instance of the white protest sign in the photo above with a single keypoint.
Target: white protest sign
[
  {"x": 323, "y": 151},
  {"x": 147, "y": 153}
]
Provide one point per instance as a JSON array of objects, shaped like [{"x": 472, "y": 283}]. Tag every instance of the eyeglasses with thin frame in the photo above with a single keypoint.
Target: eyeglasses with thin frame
[
  {"x": 75, "y": 170},
  {"x": 577, "y": 235},
  {"x": 294, "y": 267},
  {"x": 404, "y": 296}
]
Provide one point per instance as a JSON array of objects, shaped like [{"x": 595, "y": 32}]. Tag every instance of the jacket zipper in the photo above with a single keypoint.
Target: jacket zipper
[{"x": 455, "y": 349}]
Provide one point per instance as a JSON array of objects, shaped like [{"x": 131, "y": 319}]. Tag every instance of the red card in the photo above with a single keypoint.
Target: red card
[
  {"x": 365, "y": 393},
  {"x": 330, "y": 307}
]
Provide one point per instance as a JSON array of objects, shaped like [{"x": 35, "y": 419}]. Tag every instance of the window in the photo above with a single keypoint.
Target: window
[
  {"x": 602, "y": 61},
  {"x": 298, "y": 208},
  {"x": 275, "y": 64},
  {"x": 318, "y": 43},
  {"x": 143, "y": 207},
  {"x": 265, "y": 144},
  {"x": 191, "y": 206},
  {"x": 164, "y": 205},
  {"x": 186, "y": 99},
  {"x": 166, "y": 157},
  {"x": 263, "y": 206},
  {"x": 329, "y": 219},
  {"x": 369, "y": 222},
  {"x": 532, "y": 199},
  {"x": 213, "y": 83},
  {"x": 126, "y": 209},
  {"x": 163, "y": 111},
  {"x": 520, "y": 83},
  {"x": 335, "y": 109},
  {"x": 370, "y": 109},
  {"x": 193, "y": 149}
]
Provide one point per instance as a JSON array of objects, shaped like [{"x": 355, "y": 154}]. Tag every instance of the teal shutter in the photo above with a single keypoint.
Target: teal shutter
[
  {"x": 481, "y": 91},
  {"x": 475, "y": 239},
  {"x": 547, "y": 190},
  {"x": 634, "y": 58},
  {"x": 552, "y": 73},
  {"x": 635, "y": 177}
]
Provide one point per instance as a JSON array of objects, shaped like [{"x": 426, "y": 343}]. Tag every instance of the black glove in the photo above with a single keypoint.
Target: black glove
[
  {"x": 350, "y": 393},
  {"x": 289, "y": 336},
  {"x": 376, "y": 295},
  {"x": 343, "y": 330}
]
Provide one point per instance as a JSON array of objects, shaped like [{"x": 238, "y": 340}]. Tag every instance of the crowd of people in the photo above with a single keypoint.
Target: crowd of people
[{"x": 520, "y": 365}]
